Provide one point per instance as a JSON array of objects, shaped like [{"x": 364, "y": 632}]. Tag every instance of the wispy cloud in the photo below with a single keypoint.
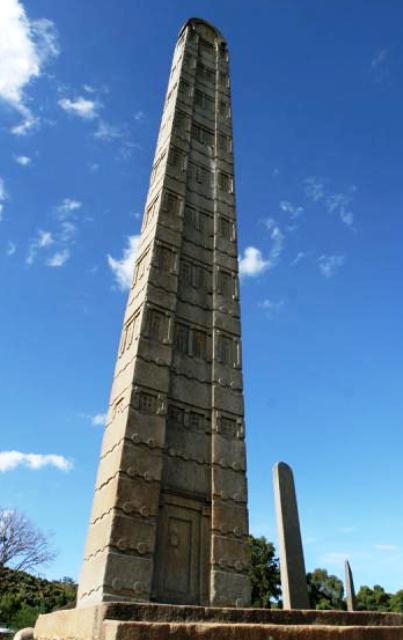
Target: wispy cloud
[
  {"x": 389, "y": 548},
  {"x": 3, "y": 197},
  {"x": 337, "y": 203},
  {"x": 291, "y": 210},
  {"x": 123, "y": 269},
  {"x": 379, "y": 66},
  {"x": 301, "y": 255},
  {"x": 329, "y": 265},
  {"x": 107, "y": 132},
  {"x": 10, "y": 460},
  {"x": 26, "y": 46},
  {"x": 139, "y": 115},
  {"x": 58, "y": 259},
  {"x": 11, "y": 248},
  {"x": 24, "y": 161},
  {"x": 42, "y": 240},
  {"x": 67, "y": 206},
  {"x": 99, "y": 419},
  {"x": 271, "y": 307},
  {"x": 81, "y": 107}
]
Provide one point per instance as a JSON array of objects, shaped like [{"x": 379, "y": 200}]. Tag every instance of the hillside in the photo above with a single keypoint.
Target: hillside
[{"x": 24, "y": 596}]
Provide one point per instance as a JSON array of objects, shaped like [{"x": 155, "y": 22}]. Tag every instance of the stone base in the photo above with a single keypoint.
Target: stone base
[{"x": 123, "y": 621}]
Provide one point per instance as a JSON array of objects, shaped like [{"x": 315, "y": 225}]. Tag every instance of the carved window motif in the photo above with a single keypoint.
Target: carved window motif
[
  {"x": 206, "y": 47},
  {"x": 181, "y": 123},
  {"x": 150, "y": 211},
  {"x": 177, "y": 158},
  {"x": 225, "y": 284},
  {"x": 196, "y": 421},
  {"x": 176, "y": 415},
  {"x": 186, "y": 273},
  {"x": 223, "y": 79},
  {"x": 199, "y": 344},
  {"x": 128, "y": 334},
  {"x": 182, "y": 338},
  {"x": 170, "y": 93},
  {"x": 225, "y": 182},
  {"x": 119, "y": 406},
  {"x": 147, "y": 402},
  {"x": 165, "y": 258},
  {"x": 157, "y": 166},
  {"x": 225, "y": 228},
  {"x": 224, "y": 143},
  {"x": 170, "y": 203},
  {"x": 205, "y": 73},
  {"x": 223, "y": 108},
  {"x": 156, "y": 324},
  {"x": 189, "y": 61},
  {"x": 184, "y": 89},
  {"x": 202, "y": 135},
  {"x": 228, "y": 427},
  {"x": 203, "y": 101},
  {"x": 140, "y": 268},
  {"x": 200, "y": 175},
  {"x": 225, "y": 349}
]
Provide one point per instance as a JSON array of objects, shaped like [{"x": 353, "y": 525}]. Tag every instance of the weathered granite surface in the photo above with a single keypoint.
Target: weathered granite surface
[
  {"x": 292, "y": 566},
  {"x": 155, "y": 621},
  {"x": 169, "y": 517}
]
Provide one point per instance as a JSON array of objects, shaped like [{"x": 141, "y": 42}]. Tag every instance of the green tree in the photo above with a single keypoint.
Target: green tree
[
  {"x": 396, "y": 601},
  {"x": 376, "y": 599},
  {"x": 264, "y": 573},
  {"x": 325, "y": 591}
]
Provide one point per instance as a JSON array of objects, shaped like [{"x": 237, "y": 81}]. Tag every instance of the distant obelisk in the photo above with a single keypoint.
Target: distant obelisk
[
  {"x": 350, "y": 591},
  {"x": 292, "y": 565},
  {"x": 169, "y": 518}
]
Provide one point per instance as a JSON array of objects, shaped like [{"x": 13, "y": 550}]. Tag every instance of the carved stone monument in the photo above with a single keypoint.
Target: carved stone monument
[
  {"x": 350, "y": 591},
  {"x": 292, "y": 565},
  {"x": 169, "y": 515}
]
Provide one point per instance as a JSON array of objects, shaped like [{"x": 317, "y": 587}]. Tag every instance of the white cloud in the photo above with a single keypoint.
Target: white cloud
[
  {"x": 271, "y": 307},
  {"x": 123, "y": 268},
  {"x": 329, "y": 265},
  {"x": 139, "y": 115},
  {"x": 25, "y": 48},
  {"x": 389, "y": 548},
  {"x": 11, "y": 249},
  {"x": 67, "y": 206},
  {"x": 301, "y": 255},
  {"x": 9, "y": 460},
  {"x": 293, "y": 211},
  {"x": 81, "y": 107},
  {"x": 24, "y": 161},
  {"x": 314, "y": 188},
  {"x": 42, "y": 240},
  {"x": 58, "y": 259},
  {"x": 252, "y": 262},
  {"x": 3, "y": 197},
  {"x": 108, "y": 132},
  {"x": 99, "y": 420}
]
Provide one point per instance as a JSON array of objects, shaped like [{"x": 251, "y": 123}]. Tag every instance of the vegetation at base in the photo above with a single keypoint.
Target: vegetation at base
[
  {"x": 326, "y": 591},
  {"x": 23, "y": 597},
  {"x": 264, "y": 574}
]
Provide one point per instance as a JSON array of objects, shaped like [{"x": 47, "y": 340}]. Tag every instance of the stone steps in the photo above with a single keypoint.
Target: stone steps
[{"x": 134, "y": 630}]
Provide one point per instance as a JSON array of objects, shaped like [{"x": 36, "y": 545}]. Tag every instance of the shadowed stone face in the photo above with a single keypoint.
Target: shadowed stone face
[
  {"x": 292, "y": 566},
  {"x": 169, "y": 516},
  {"x": 350, "y": 591}
]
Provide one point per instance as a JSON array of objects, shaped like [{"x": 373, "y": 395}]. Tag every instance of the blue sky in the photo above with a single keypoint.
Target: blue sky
[{"x": 317, "y": 103}]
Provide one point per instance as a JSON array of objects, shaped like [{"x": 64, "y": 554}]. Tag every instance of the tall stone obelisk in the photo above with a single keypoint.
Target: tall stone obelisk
[
  {"x": 169, "y": 516},
  {"x": 292, "y": 566}
]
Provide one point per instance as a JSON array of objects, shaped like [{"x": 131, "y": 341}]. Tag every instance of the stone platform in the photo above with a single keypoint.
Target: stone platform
[{"x": 123, "y": 621}]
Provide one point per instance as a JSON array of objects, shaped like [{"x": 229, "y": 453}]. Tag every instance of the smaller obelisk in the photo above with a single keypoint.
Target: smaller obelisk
[
  {"x": 292, "y": 565},
  {"x": 350, "y": 591}
]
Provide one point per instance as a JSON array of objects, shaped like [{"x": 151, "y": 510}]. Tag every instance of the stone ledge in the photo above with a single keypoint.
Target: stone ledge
[
  {"x": 116, "y": 630},
  {"x": 148, "y": 621}
]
